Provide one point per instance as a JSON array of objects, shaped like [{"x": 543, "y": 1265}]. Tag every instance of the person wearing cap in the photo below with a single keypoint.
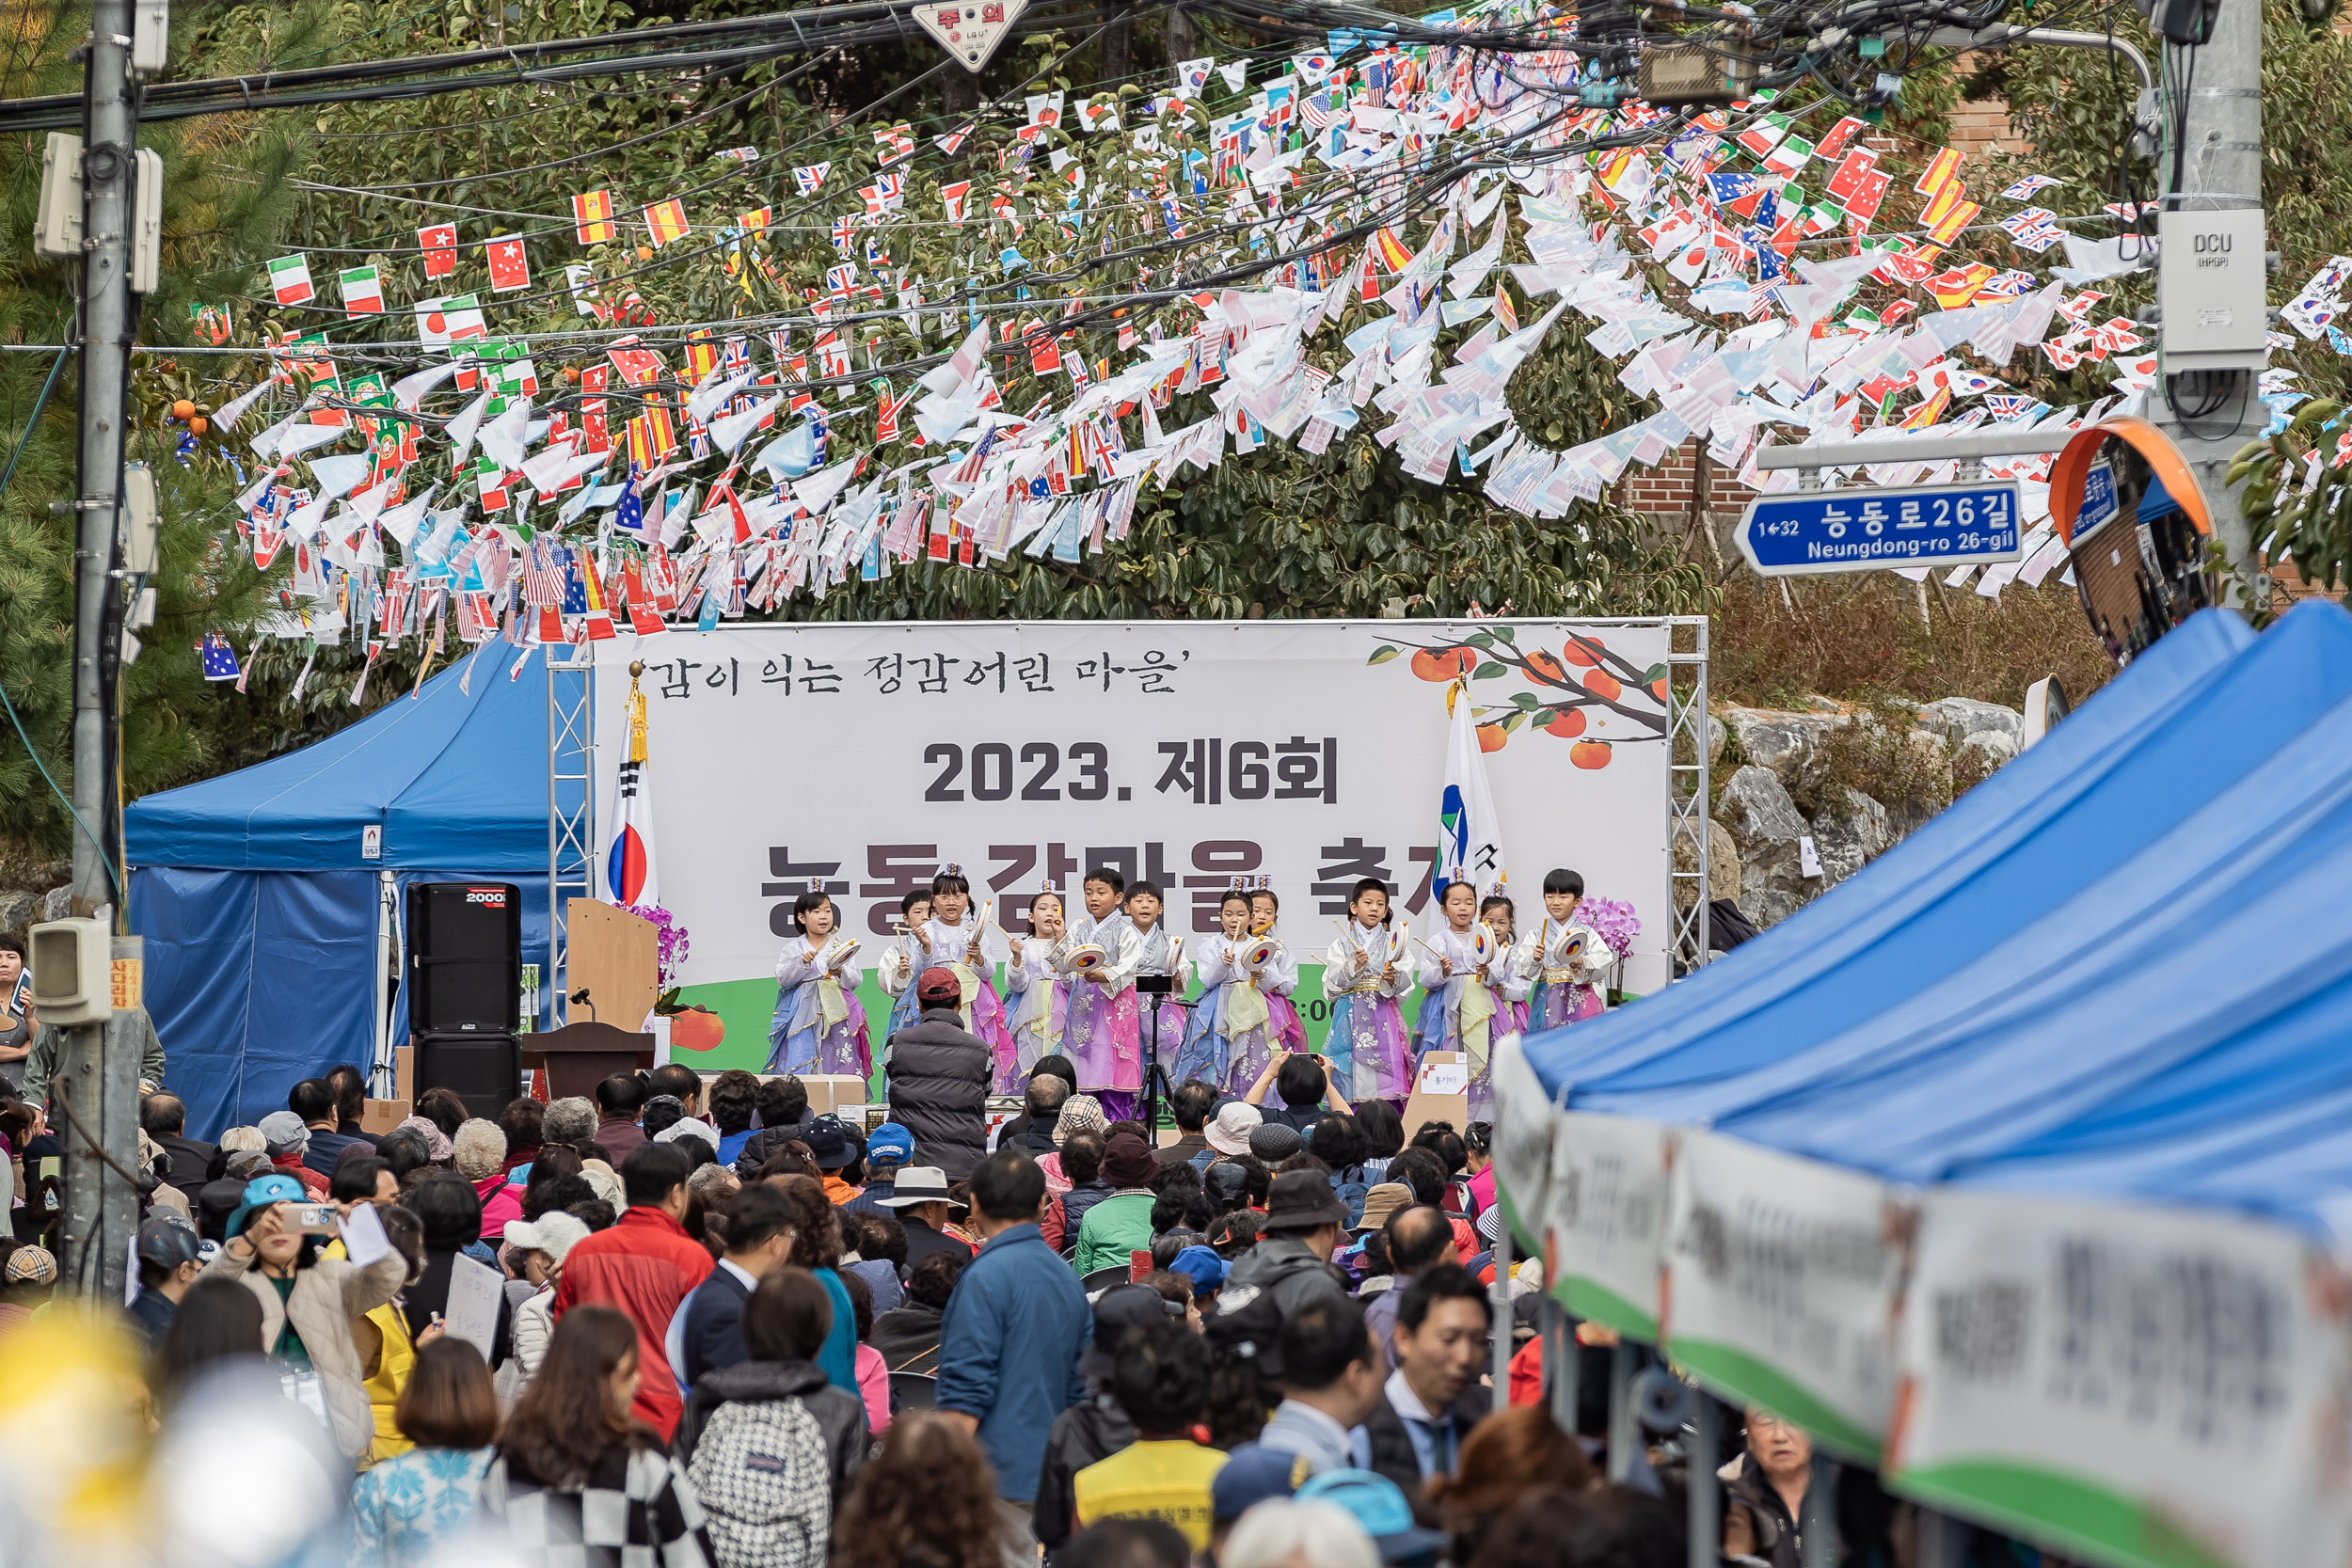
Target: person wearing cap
[
  {"x": 888, "y": 1149},
  {"x": 1428, "y": 1405},
  {"x": 1378, "y": 1504},
  {"x": 25, "y": 1282},
  {"x": 308, "y": 1302},
  {"x": 545, "y": 1243},
  {"x": 1012, "y": 1337},
  {"x": 1205, "y": 1269},
  {"x": 1120, "y": 1224},
  {"x": 1097, "y": 1426},
  {"x": 939, "y": 1076},
  {"x": 830, "y": 1146},
  {"x": 921, "y": 1201},
  {"x": 1301, "y": 1230},
  {"x": 1274, "y": 1142},
  {"x": 169, "y": 1264},
  {"x": 1253, "y": 1474},
  {"x": 286, "y": 1140},
  {"x": 1160, "y": 1378}
]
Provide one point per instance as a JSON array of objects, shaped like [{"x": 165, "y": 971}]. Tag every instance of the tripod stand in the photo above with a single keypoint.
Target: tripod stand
[{"x": 1156, "y": 1085}]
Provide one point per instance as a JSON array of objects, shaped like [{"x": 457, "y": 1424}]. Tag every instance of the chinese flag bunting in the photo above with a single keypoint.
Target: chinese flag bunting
[
  {"x": 1834, "y": 144},
  {"x": 509, "y": 267},
  {"x": 591, "y": 217},
  {"x": 1850, "y": 173},
  {"x": 440, "y": 249}
]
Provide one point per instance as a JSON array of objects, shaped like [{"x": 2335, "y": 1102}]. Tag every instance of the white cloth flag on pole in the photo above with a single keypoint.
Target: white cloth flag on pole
[
  {"x": 629, "y": 871},
  {"x": 1469, "y": 835}
]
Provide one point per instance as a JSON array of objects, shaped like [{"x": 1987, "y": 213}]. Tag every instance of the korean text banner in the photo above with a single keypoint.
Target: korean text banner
[{"x": 1186, "y": 753}]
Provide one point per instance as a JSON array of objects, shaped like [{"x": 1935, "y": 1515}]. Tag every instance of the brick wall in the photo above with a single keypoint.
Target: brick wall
[{"x": 1664, "y": 493}]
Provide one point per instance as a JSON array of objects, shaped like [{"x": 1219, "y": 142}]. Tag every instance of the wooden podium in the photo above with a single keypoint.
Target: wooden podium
[
  {"x": 579, "y": 1056},
  {"x": 615, "y": 957}
]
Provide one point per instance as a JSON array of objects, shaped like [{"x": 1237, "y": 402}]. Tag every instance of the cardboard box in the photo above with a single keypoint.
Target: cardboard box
[
  {"x": 379, "y": 1116},
  {"x": 1440, "y": 1092}
]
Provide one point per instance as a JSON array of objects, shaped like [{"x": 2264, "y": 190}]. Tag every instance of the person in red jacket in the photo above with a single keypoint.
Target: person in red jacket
[{"x": 646, "y": 1266}]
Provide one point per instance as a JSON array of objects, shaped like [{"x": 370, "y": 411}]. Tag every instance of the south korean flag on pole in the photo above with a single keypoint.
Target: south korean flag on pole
[
  {"x": 1470, "y": 835},
  {"x": 629, "y": 868}
]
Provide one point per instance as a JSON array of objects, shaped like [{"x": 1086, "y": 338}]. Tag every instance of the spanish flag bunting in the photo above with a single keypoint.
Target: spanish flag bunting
[
  {"x": 591, "y": 217},
  {"x": 667, "y": 221}
]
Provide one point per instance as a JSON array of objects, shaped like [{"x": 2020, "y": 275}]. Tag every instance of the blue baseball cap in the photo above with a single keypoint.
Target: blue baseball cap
[
  {"x": 261, "y": 1193},
  {"x": 889, "y": 1145},
  {"x": 1378, "y": 1505},
  {"x": 1252, "y": 1474},
  {"x": 1206, "y": 1268}
]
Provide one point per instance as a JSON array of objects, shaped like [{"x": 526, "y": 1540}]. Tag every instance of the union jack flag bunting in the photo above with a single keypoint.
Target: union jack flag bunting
[{"x": 812, "y": 179}]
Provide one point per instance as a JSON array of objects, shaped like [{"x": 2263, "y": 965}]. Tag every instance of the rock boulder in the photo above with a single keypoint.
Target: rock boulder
[{"x": 1766, "y": 827}]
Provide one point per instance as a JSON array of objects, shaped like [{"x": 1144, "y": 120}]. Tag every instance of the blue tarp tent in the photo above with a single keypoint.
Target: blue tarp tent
[
  {"x": 2141, "y": 991},
  {"x": 263, "y": 912},
  {"x": 1933, "y": 906}
]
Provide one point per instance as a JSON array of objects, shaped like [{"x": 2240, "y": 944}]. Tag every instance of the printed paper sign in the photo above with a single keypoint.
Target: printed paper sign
[
  {"x": 2126, "y": 1383},
  {"x": 1782, "y": 1278},
  {"x": 1607, "y": 1218}
]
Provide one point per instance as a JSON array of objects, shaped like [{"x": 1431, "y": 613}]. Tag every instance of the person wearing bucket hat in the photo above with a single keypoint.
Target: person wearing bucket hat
[
  {"x": 308, "y": 1304},
  {"x": 1381, "y": 1507},
  {"x": 25, "y": 1282},
  {"x": 1121, "y": 1223},
  {"x": 939, "y": 1076},
  {"x": 168, "y": 1264},
  {"x": 545, "y": 1243},
  {"x": 1205, "y": 1268},
  {"x": 1228, "y": 1131},
  {"x": 1301, "y": 1232}
]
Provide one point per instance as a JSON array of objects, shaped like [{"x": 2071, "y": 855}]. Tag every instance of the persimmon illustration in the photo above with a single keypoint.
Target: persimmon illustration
[
  {"x": 1567, "y": 725},
  {"x": 1444, "y": 664},
  {"x": 1492, "y": 737},
  {"x": 1603, "y": 685},
  {"x": 1589, "y": 754}
]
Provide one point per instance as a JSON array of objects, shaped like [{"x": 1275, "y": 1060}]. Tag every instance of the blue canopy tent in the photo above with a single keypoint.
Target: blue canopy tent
[
  {"x": 2197, "y": 713},
  {"x": 265, "y": 914}
]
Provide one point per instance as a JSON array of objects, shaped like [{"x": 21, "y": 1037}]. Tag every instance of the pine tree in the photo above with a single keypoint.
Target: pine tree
[{"x": 224, "y": 200}]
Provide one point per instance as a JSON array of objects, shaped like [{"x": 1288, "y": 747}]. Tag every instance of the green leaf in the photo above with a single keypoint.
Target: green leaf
[
  {"x": 1385, "y": 652},
  {"x": 1479, "y": 639},
  {"x": 1489, "y": 671},
  {"x": 1542, "y": 717}
]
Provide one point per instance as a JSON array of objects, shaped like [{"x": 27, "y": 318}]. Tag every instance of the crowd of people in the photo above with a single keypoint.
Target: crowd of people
[{"x": 691, "y": 1321}]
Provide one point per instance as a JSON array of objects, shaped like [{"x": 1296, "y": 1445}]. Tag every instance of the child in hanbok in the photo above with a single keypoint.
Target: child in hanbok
[
  {"x": 1226, "y": 1002},
  {"x": 1562, "y": 961},
  {"x": 1363, "y": 978},
  {"x": 1100, "y": 1026},
  {"x": 1277, "y": 981},
  {"x": 1462, "y": 1008},
  {"x": 819, "y": 1025},
  {"x": 901, "y": 962},
  {"x": 1502, "y": 917},
  {"x": 955, "y": 939},
  {"x": 1157, "y": 952},
  {"x": 1031, "y": 986}
]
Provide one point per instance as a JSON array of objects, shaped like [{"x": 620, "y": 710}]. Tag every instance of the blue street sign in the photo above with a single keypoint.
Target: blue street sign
[{"x": 1801, "y": 533}]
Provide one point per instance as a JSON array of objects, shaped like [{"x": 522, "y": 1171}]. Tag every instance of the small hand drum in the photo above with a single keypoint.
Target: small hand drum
[
  {"x": 1256, "y": 954},
  {"x": 1085, "y": 956},
  {"x": 1485, "y": 947}
]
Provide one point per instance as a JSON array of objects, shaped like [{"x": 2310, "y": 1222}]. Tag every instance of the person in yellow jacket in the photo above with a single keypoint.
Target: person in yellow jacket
[{"x": 387, "y": 1350}]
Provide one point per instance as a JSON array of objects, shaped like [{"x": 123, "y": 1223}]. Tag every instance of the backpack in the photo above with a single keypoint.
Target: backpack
[
  {"x": 761, "y": 1474},
  {"x": 1350, "y": 1186}
]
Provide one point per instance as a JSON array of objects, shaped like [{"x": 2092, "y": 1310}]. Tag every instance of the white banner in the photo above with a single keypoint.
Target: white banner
[
  {"x": 1185, "y": 752},
  {"x": 1607, "y": 1219},
  {"x": 1782, "y": 1275},
  {"x": 2143, "y": 1387}
]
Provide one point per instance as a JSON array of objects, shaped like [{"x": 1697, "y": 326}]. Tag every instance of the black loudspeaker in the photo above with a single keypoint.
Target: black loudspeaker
[
  {"x": 464, "y": 957},
  {"x": 485, "y": 1071}
]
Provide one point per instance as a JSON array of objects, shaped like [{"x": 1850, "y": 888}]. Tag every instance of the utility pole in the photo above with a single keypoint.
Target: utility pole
[
  {"x": 2222, "y": 170},
  {"x": 98, "y": 1083}
]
